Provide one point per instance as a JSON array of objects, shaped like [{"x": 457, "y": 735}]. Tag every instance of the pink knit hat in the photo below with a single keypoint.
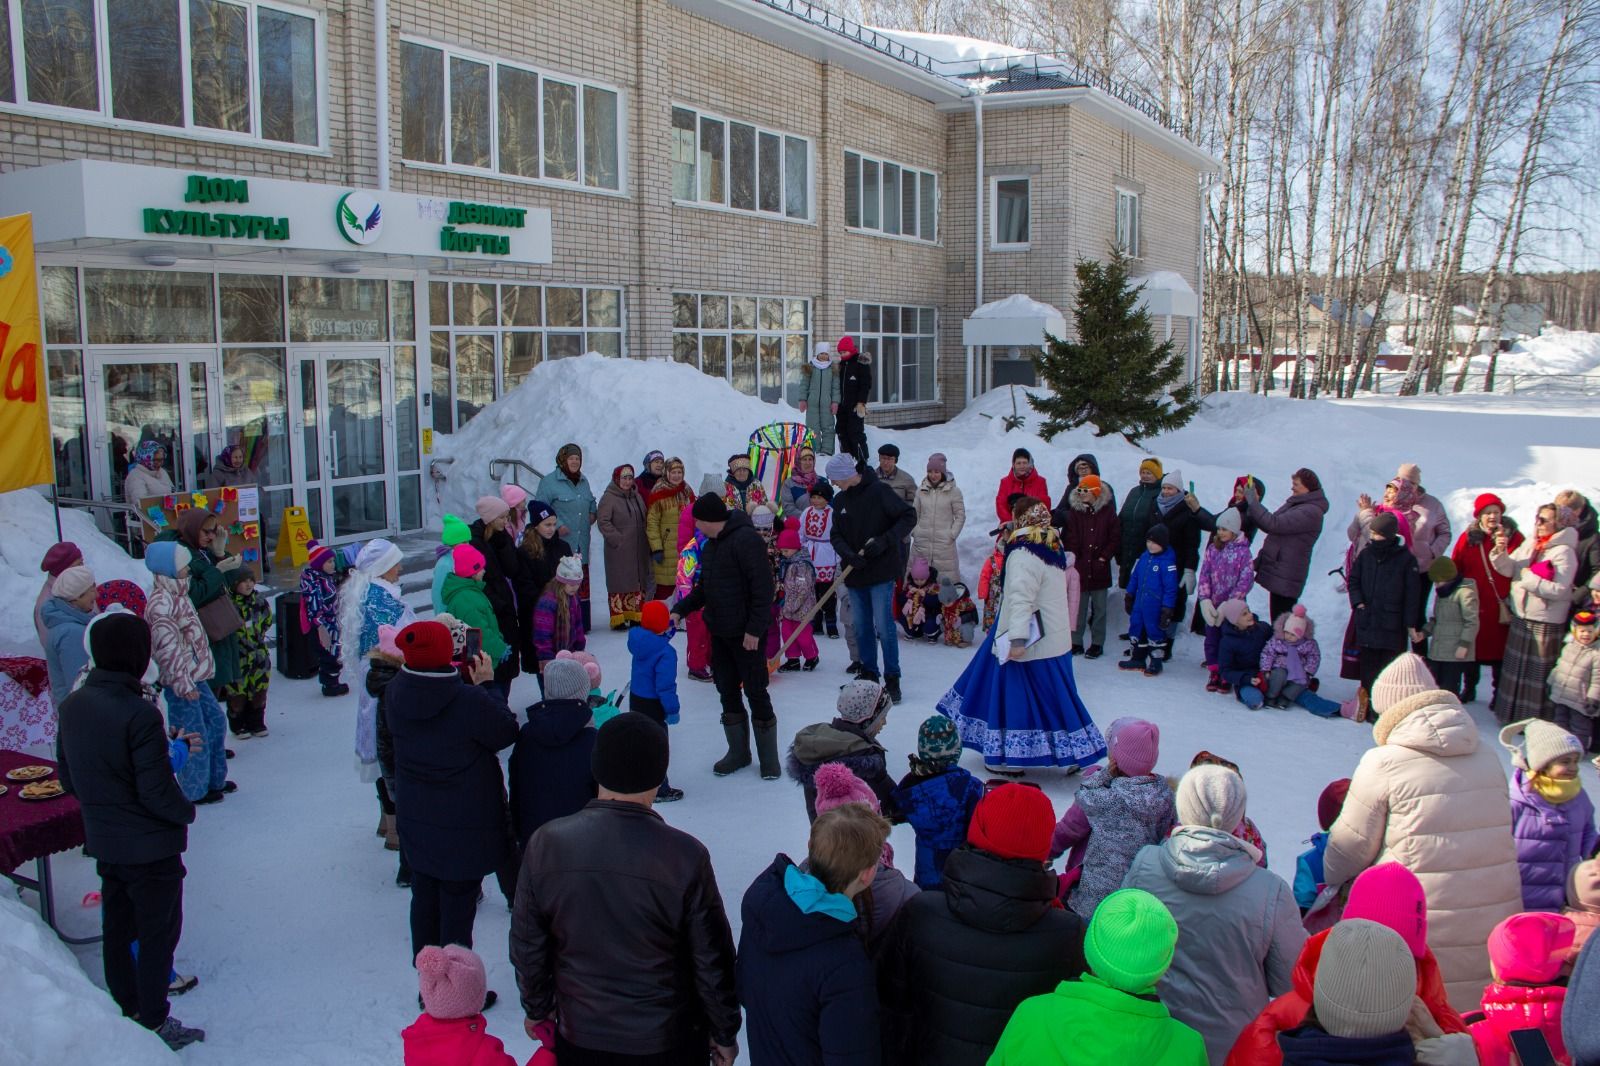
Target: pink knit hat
[
  {"x": 466, "y": 561},
  {"x": 386, "y": 642},
  {"x": 789, "y": 539},
  {"x": 453, "y": 981},
  {"x": 1391, "y": 895},
  {"x": 491, "y": 507},
  {"x": 837, "y": 785},
  {"x": 1135, "y": 745},
  {"x": 919, "y": 569},
  {"x": 514, "y": 495},
  {"x": 1529, "y": 948}
]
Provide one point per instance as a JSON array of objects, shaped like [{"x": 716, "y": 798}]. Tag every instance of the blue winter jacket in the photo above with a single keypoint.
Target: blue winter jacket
[
  {"x": 1153, "y": 586},
  {"x": 938, "y": 808},
  {"x": 1239, "y": 652},
  {"x": 655, "y": 668},
  {"x": 64, "y": 653},
  {"x": 1308, "y": 872}
]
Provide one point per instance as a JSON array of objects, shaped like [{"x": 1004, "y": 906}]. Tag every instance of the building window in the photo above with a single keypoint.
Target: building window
[
  {"x": 757, "y": 344},
  {"x": 1009, "y": 215},
  {"x": 507, "y": 118},
  {"x": 890, "y": 198},
  {"x": 243, "y": 68},
  {"x": 487, "y": 337},
  {"x": 903, "y": 344},
  {"x": 739, "y": 166},
  {"x": 1128, "y": 223}
]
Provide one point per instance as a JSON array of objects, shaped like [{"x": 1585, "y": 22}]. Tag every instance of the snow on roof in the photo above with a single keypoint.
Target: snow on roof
[
  {"x": 1169, "y": 280},
  {"x": 954, "y": 50},
  {"x": 1016, "y": 305}
]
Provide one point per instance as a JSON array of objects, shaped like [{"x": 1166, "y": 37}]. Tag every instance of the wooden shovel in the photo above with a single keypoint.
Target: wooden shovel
[{"x": 777, "y": 660}]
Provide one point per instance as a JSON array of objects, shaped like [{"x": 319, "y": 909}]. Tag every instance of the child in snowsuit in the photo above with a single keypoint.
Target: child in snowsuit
[
  {"x": 1526, "y": 953},
  {"x": 1117, "y": 810},
  {"x": 653, "y": 682},
  {"x": 816, "y": 536},
  {"x": 957, "y": 613},
  {"x": 1308, "y": 866},
  {"x": 851, "y": 739},
  {"x": 936, "y": 798},
  {"x": 557, "y": 619},
  {"x": 246, "y": 697},
  {"x": 1552, "y": 820},
  {"x": 1226, "y": 573},
  {"x": 549, "y": 768},
  {"x": 319, "y": 613},
  {"x": 919, "y": 602},
  {"x": 1150, "y": 601},
  {"x": 451, "y": 1027},
  {"x": 1575, "y": 679},
  {"x": 797, "y": 577},
  {"x": 1244, "y": 638},
  {"x": 1289, "y": 665},
  {"x": 1453, "y": 629}
]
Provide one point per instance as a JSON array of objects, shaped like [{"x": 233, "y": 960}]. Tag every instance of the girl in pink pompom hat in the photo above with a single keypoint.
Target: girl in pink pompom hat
[{"x": 451, "y": 1029}]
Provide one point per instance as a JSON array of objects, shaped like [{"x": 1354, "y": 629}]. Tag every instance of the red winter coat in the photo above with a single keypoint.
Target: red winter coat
[
  {"x": 1473, "y": 562},
  {"x": 1509, "y": 1007},
  {"x": 1258, "y": 1043},
  {"x": 1032, "y": 485},
  {"x": 431, "y": 1041}
]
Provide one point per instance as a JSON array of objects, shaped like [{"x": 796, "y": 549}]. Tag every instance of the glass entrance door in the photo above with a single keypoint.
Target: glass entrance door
[
  {"x": 344, "y": 433},
  {"x": 138, "y": 398}
]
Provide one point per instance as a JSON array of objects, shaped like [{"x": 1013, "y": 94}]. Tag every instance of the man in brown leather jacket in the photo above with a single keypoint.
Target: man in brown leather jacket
[{"x": 619, "y": 934}]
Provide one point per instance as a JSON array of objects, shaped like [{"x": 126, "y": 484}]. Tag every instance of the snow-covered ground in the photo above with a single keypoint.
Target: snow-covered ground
[{"x": 292, "y": 920}]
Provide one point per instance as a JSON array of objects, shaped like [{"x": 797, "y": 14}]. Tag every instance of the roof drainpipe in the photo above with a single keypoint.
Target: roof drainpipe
[
  {"x": 972, "y": 355},
  {"x": 380, "y": 40}
]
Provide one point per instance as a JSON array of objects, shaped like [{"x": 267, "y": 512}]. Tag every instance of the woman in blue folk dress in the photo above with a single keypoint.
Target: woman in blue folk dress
[{"x": 1017, "y": 703}]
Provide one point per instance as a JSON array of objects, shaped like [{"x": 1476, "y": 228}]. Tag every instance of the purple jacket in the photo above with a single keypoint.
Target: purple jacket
[
  {"x": 1226, "y": 573},
  {"x": 1551, "y": 840},
  {"x": 1304, "y": 657},
  {"x": 1114, "y": 817}
]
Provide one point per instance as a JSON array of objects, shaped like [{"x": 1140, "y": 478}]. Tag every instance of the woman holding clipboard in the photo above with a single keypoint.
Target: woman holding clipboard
[{"x": 1016, "y": 702}]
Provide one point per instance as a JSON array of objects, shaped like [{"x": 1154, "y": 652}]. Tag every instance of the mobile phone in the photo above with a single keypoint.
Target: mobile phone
[
  {"x": 1531, "y": 1048},
  {"x": 474, "y": 645}
]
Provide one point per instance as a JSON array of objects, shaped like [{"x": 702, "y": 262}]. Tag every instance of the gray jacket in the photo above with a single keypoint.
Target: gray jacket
[
  {"x": 1575, "y": 679},
  {"x": 904, "y": 485},
  {"x": 1454, "y": 623},
  {"x": 1239, "y": 931}
]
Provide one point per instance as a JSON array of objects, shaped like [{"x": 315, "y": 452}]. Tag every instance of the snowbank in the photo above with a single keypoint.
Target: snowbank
[
  {"x": 51, "y": 1012},
  {"x": 27, "y": 529},
  {"x": 1555, "y": 351}
]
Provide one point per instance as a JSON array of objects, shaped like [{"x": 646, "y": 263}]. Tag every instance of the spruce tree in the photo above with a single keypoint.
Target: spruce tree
[{"x": 1115, "y": 376}]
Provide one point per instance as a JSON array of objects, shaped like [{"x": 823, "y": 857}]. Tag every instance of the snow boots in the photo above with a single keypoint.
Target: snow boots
[
  {"x": 767, "y": 749},
  {"x": 1138, "y": 658},
  {"x": 891, "y": 685},
  {"x": 736, "y": 727},
  {"x": 1216, "y": 684}
]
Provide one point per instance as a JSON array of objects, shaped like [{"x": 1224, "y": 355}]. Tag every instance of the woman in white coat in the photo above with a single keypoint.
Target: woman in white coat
[
  {"x": 1432, "y": 797},
  {"x": 147, "y": 476},
  {"x": 1017, "y": 702},
  {"x": 1541, "y": 573},
  {"x": 941, "y": 512}
]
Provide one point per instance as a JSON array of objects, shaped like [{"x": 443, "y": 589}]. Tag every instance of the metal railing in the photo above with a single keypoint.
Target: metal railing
[
  {"x": 496, "y": 466},
  {"x": 121, "y": 532}
]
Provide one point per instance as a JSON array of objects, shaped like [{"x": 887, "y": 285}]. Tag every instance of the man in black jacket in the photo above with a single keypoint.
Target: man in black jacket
[
  {"x": 619, "y": 933},
  {"x": 855, "y": 389},
  {"x": 735, "y": 591},
  {"x": 869, "y": 523},
  {"x": 113, "y": 753}
]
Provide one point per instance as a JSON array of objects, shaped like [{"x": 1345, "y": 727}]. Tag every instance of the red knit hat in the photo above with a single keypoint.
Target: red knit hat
[
  {"x": 654, "y": 616},
  {"x": 1486, "y": 501},
  {"x": 846, "y": 346},
  {"x": 789, "y": 538},
  {"x": 426, "y": 645},
  {"x": 61, "y": 557},
  {"x": 1014, "y": 822},
  {"x": 1331, "y": 802}
]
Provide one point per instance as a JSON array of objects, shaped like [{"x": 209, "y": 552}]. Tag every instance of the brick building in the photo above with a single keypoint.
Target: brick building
[{"x": 328, "y": 229}]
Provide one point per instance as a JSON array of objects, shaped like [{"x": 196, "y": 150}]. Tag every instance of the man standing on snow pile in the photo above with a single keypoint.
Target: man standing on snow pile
[
  {"x": 855, "y": 388},
  {"x": 869, "y": 524}
]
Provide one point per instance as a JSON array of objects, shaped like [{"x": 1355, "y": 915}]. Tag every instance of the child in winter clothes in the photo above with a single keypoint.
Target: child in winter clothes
[
  {"x": 1117, "y": 810},
  {"x": 319, "y": 613},
  {"x": 385, "y": 663},
  {"x": 1526, "y": 953},
  {"x": 182, "y": 653},
  {"x": 1552, "y": 820},
  {"x": 451, "y": 1029},
  {"x": 957, "y": 613},
  {"x": 1150, "y": 600},
  {"x": 1453, "y": 629},
  {"x": 1575, "y": 679},
  {"x": 549, "y": 767},
  {"x": 455, "y": 532},
  {"x": 1244, "y": 638},
  {"x": 653, "y": 682},
  {"x": 557, "y": 618},
  {"x": 889, "y": 890},
  {"x": 246, "y": 697},
  {"x": 1226, "y": 573},
  {"x": 816, "y": 536},
  {"x": 851, "y": 739},
  {"x": 65, "y": 615},
  {"x": 465, "y": 598},
  {"x": 919, "y": 602},
  {"x": 797, "y": 577},
  {"x": 1111, "y": 1014},
  {"x": 1583, "y": 904},
  {"x": 1289, "y": 665},
  {"x": 1247, "y": 830},
  {"x": 936, "y": 798},
  {"x": 1308, "y": 866}
]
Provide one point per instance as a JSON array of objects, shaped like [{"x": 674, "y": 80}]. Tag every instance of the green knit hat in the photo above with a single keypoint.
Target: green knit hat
[
  {"x": 1130, "y": 940},
  {"x": 455, "y": 532},
  {"x": 938, "y": 743}
]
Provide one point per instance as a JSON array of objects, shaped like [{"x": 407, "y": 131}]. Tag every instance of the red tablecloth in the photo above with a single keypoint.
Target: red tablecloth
[{"x": 29, "y": 830}]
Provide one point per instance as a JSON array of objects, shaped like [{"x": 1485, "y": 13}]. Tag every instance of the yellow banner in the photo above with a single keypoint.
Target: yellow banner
[{"x": 25, "y": 450}]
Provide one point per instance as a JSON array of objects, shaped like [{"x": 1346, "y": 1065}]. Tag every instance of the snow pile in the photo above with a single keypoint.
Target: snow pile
[
  {"x": 27, "y": 529},
  {"x": 51, "y": 1012},
  {"x": 1555, "y": 351}
]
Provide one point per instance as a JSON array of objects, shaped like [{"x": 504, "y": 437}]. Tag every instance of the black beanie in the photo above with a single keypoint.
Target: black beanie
[
  {"x": 890, "y": 450},
  {"x": 630, "y": 754},
  {"x": 1385, "y": 525},
  {"x": 120, "y": 642},
  {"x": 1158, "y": 534},
  {"x": 709, "y": 508}
]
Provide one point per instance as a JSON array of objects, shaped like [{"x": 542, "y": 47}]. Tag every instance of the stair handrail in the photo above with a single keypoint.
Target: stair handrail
[{"x": 497, "y": 465}]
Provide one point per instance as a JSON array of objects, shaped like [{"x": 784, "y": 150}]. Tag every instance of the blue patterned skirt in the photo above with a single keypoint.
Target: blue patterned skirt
[{"x": 1022, "y": 713}]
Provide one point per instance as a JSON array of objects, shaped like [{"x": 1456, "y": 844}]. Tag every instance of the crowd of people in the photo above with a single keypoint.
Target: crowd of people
[{"x": 1441, "y": 906}]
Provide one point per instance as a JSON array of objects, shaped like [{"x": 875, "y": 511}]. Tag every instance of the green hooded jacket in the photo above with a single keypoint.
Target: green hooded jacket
[
  {"x": 465, "y": 599},
  {"x": 1087, "y": 1021}
]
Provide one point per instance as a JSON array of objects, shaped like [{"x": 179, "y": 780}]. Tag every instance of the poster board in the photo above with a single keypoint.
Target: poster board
[{"x": 237, "y": 507}]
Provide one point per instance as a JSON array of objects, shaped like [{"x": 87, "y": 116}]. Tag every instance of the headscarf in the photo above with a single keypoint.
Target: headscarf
[
  {"x": 231, "y": 457},
  {"x": 616, "y": 473},
  {"x": 1405, "y": 494},
  {"x": 190, "y": 523},
  {"x": 145, "y": 454}
]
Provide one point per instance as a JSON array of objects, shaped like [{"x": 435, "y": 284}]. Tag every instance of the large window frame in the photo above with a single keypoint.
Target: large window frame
[
  {"x": 586, "y": 93},
  {"x": 995, "y": 182},
  {"x": 14, "y": 97},
  {"x": 720, "y": 328},
  {"x": 712, "y": 139},
  {"x": 881, "y": 331},
  {"x": 1129, "y": 237},
  {"x": 911, "y": 192}
]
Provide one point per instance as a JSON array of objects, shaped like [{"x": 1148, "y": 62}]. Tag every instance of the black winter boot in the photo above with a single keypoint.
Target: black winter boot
[
  {"x": 767, "y": 749},
  {"x": 1137, "y": 657},
  {"x": 736, "y": 727},
  {"x": 891, "y": 685}
]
